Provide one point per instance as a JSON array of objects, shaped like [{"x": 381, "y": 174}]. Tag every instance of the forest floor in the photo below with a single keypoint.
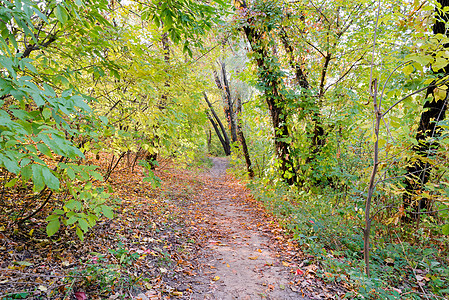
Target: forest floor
[{"x": 201, "y": 235}]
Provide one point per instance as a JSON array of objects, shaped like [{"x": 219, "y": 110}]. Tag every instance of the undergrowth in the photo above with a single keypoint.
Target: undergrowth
[{"x": 405, "y": 263}]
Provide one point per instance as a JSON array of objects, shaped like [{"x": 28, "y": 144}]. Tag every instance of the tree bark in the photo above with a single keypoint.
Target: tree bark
[
  {"x": 241, "y": 137},
  {"x": 209, "y": 139},
  {"x": 228, "y": 106},
  {"x": 223, "y": 136},
  {"x": 418, "y": 172},
  {"x": 273, "y": 97}
]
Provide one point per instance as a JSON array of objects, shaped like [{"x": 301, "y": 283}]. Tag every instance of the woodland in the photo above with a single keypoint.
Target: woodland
[{"x": 331, "y": 112}]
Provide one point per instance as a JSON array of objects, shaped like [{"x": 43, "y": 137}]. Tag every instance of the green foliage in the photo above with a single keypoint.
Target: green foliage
[
  {"x": 103, "y": 274},
  {"x": 38, "y": 132},
  {"x": 123, "y": 255},
  {"x": 184, "y": 20},
  {"x": 149, "y": 174},
  {"x": 329, "y": 228}
]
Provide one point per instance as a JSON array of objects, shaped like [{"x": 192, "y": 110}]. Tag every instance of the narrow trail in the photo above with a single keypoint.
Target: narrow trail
[{"x": 237, "y": 262}]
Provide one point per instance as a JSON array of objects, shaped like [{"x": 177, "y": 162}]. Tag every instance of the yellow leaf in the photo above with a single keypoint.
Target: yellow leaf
[
  {"x": 408, "y": 69},
  {"x": 439, "y": 94},
  {"x": 176, "y": 293},
  {"x": 253, "y": 257},
  {"x": 285, "y": 264},
  {"x": 42, "y": 288},
  {"x": 216, "y": 278}
]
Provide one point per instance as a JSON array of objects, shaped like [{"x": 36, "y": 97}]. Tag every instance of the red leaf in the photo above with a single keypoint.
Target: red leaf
[
  {"x": 299, "y": 272},
  {"x": 80, "y": 296}
]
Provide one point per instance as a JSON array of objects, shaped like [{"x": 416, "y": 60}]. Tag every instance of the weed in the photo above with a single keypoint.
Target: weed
[{"x": 330, "y": 230}]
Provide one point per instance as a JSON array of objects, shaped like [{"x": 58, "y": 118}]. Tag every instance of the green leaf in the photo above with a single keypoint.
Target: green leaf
[
  {"x": 104, "y": 120},
  {"x": 11, "y": 166},
  {"x": 73, "y": 204},
  {"x": 61, "y": 14},
  {"x": 26, "y": 173},
  {"x": 439, "y": 63},
  {"x": 72, "y": 220},
  {"x": 445, "y": 229},
  {"x": 11, "y": 183},
  {"x": 107, "y": 211},
  {"x": 50, "y": 180},
  {"x": 96, "y": 175},
  {"x": 421, "y": 59},
  {"x": 10, "y": 143},
  {"x": 46, "y": 113},
  {"x": 408, "y": 69},
  {"x": 92, "y": 219},
  {"x": 83, "y": 225},
  {"x": 52, "y": 217},
  {"x": 24, "y": 263},
  {"x": 70, "y": 173},
  {"x": 53, "y": 227},
  {"x": 44, "y": 150},
  {"x": 40, "y": 14},
  {"x": 80, "y": 233}
]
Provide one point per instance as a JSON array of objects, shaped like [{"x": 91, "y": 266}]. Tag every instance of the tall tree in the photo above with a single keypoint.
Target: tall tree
[
  {"x": 435, "y": 106},
  {"x": 257, "y": 32}
]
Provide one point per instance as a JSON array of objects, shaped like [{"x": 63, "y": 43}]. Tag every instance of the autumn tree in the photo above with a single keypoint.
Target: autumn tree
[{"x": 427, "y": 137}]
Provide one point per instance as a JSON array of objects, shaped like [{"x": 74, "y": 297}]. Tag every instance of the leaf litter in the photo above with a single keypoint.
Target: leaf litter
[{"x": 201, "y": 235}]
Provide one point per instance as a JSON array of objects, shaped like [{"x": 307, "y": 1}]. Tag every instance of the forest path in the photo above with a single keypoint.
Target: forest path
[{"x": 238, "y": 260}]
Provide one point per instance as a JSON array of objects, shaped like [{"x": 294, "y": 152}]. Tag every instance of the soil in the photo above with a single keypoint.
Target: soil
[{"x": 237, "y": 262}]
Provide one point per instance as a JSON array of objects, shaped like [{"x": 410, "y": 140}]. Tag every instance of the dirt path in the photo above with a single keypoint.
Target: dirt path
[
  {"x": 238, "y": 262},
  {"x": 199, "y": 236}
]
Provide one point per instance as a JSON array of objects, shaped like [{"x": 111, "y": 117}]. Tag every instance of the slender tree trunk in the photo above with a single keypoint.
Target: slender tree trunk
[
  {"x": 418, "y": 172},
  {"x": 166, "y": 46},
  {"x": 209, "y": 139},
  {"x": 241, "y": 137},
  {"x": 224, "y": 139},
  {"x": 228, "y": 106},
  {"x": 226, "y": 147}
]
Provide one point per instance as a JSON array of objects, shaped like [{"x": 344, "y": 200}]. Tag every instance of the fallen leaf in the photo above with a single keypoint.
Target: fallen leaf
[
  {"x": 285, "y": 264},
  {"x": 298, "y": 272},
  {"x": 141, "y": 297},
  {"x": 80, "y": 296},
  {"x": 253, "y": 257},
  {"x": 42, "y": 288},
  {"x": 216, "y": 278}
]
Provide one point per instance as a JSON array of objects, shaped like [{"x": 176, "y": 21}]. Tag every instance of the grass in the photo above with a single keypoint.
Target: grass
[{"x": 331, "y": 229}]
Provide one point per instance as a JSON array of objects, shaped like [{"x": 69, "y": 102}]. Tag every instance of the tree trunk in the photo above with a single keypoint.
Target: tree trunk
[
  {"x": 418, "y": 172},
  {"x": 241, "y": 137},
  {"x": 166, "y": 46},
  {"x": 228, "y": 106},
  {"x": 224, "y": 139},
  {"x": 272, "y": 85},
  {"x": 209, "y": 139}
]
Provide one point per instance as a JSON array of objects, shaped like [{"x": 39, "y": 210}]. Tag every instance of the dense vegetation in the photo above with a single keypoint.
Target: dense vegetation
[{"x": 333, "y": 110}]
